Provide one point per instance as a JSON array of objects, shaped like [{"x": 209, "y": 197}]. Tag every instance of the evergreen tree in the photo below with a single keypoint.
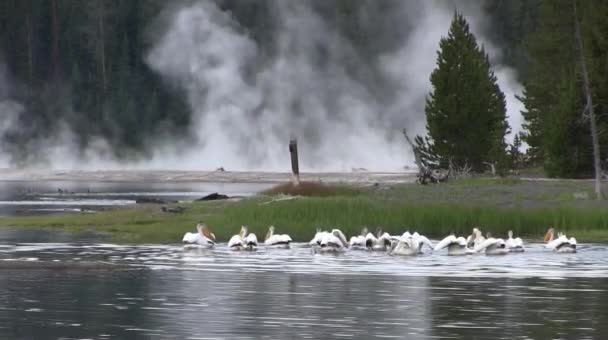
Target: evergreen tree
[
  {"x": 465, "y": 112},
  {"x": 555, "y": 127}
]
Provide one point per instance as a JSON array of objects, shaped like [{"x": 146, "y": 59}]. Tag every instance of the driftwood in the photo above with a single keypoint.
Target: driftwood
[
  {"x": 492, "y": 167},
  {"x": 425, "y": 173}
]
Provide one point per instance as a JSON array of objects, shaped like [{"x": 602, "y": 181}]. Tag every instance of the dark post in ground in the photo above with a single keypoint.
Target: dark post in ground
[{"x": 295, "y": 170}]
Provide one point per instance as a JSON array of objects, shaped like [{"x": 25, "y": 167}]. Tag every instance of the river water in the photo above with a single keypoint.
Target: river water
[
  {"x": 80, "y": 288},
  {"x": 49, "y": 197}
]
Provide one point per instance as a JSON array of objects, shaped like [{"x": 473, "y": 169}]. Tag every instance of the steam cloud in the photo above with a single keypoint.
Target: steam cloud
[
  {"x": 247, "y": 108},
  {"x": 312, "y": 82}
]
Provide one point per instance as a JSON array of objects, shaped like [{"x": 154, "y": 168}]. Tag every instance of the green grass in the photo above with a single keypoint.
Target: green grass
[{"x": 528, "y": 208}]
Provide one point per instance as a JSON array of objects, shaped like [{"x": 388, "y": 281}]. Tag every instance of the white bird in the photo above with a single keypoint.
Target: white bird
[
  {"x": 492, "y": 246},
  {"x": 333, "y": 242},
  {"x": 404, "y": 247},
  {"x": 475, "y": 239},
  {"x": 380, "y": 243},
  {"x": 251, "y": 242},
  {"x": 316, "y": 241},
  {"x": 273, "y": 239},
  {"x": 421, "y": 241},
  {"x": 561, "y": 244},
  {"x": 514, "y": 244},
  {"x": 203, "y": 238},
  {"x": 358, "y": 242},
  {"x": 455, "y": 245},
  {"x": 237, "y": 242}
]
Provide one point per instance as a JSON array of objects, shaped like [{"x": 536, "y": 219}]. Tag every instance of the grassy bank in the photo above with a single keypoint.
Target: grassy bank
[{"x": 495, "y": 205}]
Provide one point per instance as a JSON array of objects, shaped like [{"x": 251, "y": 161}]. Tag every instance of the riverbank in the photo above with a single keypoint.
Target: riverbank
[
  {"x": 496, "y": 205},
  {"x": 357, "y": 176}
]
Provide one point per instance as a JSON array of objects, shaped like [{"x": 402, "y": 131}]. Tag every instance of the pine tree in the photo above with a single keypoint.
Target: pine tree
[
  {"x": 515, "y": 154},
  {"x": 555, "y": 128},
  {"x": 465, "y": 112}
]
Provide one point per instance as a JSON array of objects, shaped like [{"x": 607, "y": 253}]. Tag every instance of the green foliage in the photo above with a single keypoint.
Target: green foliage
[
  {"x": 495, "y": 205},
  {"x": 465, "y": 112},
  {"x": 512, "y": 21},
  {"x": 556, "y": 129}
]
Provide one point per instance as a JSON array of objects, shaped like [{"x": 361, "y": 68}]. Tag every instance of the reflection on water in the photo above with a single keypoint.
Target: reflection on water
[
  {"x": 103, "y": 291},
  {"x": 32, "y": 197}
]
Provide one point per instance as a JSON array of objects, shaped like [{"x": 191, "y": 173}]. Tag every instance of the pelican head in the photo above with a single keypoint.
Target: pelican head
[
  {"x": 204, "y": 230},
  {"x": 549, "y": 235},
  {"x": 378, "y": 232},
  {"x": 243, "y": 231},
  {"x": 488, "y": 235},
  {"x": 510, "y": 233},
  {"x": 270, "y": 232},
  {"x": 338, "y": 233},
  {"x": 364, "y": 231}
]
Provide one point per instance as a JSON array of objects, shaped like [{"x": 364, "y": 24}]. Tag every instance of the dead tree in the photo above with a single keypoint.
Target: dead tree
[
  {"x": 425, "y": 173},
  {"x": 589, "y": 110},
  {"x": 295, "y": 168}
]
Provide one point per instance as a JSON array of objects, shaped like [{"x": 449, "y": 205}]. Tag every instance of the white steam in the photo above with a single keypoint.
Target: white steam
[
  {"x": 247, "y": 101},
  {"x": 245, "y": 120},
  {"x": 247, "y": 105}
]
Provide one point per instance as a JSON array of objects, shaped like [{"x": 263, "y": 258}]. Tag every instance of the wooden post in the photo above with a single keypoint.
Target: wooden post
[{"x": 295, "y": 169}]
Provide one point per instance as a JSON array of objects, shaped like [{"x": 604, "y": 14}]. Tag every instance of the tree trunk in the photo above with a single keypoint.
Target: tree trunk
[
  {"x": 589, "y": 108},
  {"x": 295, "y": 167},
  {"x": 102, "y": 42},
  {"x": 30, "y": 58},
  {"x": 55, "y": 33}
]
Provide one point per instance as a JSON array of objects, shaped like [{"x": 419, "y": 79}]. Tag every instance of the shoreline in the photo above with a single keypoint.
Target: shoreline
[
  {"x": 495, "y": 205},
  {"x": 178, "y": 176}
]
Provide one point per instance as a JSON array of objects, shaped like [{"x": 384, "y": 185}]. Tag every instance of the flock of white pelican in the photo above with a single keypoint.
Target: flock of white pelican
[{"x": 407, "y": 244}]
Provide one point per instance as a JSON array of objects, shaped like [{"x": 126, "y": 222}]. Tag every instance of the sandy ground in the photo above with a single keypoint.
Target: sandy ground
[{"x": 362, "y": 177}]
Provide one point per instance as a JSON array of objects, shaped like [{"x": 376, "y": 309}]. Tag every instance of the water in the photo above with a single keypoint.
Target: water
[
  {"x": 48, "y": 197},
  {"x": 83, "y": 290}
]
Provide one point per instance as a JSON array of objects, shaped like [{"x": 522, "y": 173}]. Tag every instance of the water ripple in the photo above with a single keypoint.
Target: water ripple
[{"x": 590, "y": 262}]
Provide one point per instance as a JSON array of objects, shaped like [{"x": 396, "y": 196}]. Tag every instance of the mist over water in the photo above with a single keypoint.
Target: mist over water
[{"x": 307, "y": 78}]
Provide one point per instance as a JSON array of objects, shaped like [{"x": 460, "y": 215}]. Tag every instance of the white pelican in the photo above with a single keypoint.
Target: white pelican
[
  {"x": 333, "y": 242},
  {"x": 455, "y": 245},
  {"x": 561, "y": 244},
  {"x": 358, "y": 242},
  {"x": 316, "y": 241},
  {"x": 203, "y": 238},
  {"x": 251, "y": 241},
  {"x": 514, "y": 244},
  {"x": 237, "y": 242},
  {"x": 409, "y": 244},
  {"x": 403, "y": 246},
  {"x": 475, "y": 239},
  {"x": 273, "y": 239},
  {"x": 492, "y": 246},
  {"x": 380, "y": 243},
  {"x": 422, "y": 241}
]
